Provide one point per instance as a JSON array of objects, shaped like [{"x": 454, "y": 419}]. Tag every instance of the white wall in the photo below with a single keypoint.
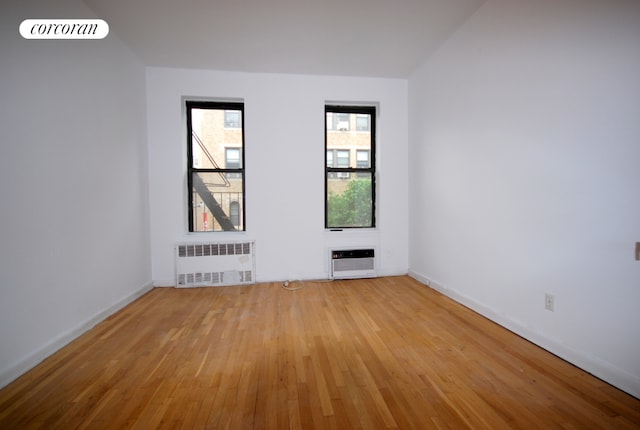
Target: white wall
[
  {"x": 74, "y": 236},
  {"x": 524, "y": 173},
  {"x": 284, "y": 156}
]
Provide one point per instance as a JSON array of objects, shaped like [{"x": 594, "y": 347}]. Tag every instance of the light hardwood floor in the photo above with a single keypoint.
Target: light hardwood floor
[{"x": 370, "y": 354}]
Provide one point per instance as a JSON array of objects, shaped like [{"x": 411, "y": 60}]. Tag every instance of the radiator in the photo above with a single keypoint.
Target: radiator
[
  {"x": 215, "y": 264},
  {"x": 353, "y": 263}
]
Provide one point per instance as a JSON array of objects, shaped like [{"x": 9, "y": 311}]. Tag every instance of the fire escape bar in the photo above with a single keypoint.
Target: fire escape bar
[{"x": 211, "y": 203}]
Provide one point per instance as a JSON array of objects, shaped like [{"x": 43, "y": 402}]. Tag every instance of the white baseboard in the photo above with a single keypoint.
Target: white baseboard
[
  {"x": 164, "y": 283},
  {"x": 609, "y": 373},
  {"x": 9, "y": 375},
  {"x": 292, "y": 277}
]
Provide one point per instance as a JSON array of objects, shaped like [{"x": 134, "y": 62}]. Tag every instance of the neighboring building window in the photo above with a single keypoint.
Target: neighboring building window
[
  {"x": 349, "y": 166},
  {"x": 232, "y": 160},
  {"x": 362, "y": 159},
  {"x": 235, "y": 213},
  {"x": 338, "y": 158},
  {"x": 343, "y": 158},
  {"x": 362, "y": 122},
  {"x": 338, "y": 121},
  {"x": 215, "y": 169},
  {"x": 233, "y": 119}
]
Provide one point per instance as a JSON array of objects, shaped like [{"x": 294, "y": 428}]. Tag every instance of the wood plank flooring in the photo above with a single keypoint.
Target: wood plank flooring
[{"x": 363, "y": 354}]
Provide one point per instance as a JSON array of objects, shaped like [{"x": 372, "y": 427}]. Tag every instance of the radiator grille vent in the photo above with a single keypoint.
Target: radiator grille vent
[
  {"x": 215, "y": 264},
  {"x": 207, "y": 249},
  {"x": 215, "y": 278}
]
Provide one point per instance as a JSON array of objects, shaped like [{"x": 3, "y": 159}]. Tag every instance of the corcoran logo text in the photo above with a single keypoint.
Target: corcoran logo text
[{"x": 64, "y": 29}]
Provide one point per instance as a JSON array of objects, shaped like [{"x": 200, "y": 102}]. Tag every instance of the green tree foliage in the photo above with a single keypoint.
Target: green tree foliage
[{"x": 353, "y": 207}]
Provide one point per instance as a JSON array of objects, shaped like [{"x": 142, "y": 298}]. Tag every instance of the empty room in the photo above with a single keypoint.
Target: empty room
[{"x": 296, "y": 214}]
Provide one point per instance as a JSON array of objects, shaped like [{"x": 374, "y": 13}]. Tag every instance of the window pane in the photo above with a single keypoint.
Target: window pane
[
  {"x": 343, "y": 158},
  {"x": 362, "y": 122},
  {"x": 338, "y": 121},
  {"x": 342, "y": 121},
  {"x": 362, "y": 159},
  {"x": 232, "y": 158},
  {"x": 210, "y": 137},
  {"x": 234, "y": 215},
  {"x": 350, "y": 202},
  {"x": 232, "y": 119},
  {"x": 347, "y": 140},
  {"x": 217, "y": 200}
]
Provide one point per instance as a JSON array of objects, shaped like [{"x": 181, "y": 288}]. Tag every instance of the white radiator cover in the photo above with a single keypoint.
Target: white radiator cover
[
  {"x": 215, "y": 264},
  {"x": 352, "y": 263}
]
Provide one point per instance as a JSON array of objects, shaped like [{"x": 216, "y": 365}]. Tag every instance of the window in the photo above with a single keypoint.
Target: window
[
  {"x": 349, "y": 166},
  {"x": 362, "y": 159},
  {"x": 338, "y": 121},
  {"x": 232, "y": 118},
  {"x": 342, "y": 158},
  {"x": 338, "y": 158},
  {"x": 234, "y": 214},
  {"x": 215, "y": 169},
  {"x": 362, "y": 122},
  {"x": 232, "y": 160}
]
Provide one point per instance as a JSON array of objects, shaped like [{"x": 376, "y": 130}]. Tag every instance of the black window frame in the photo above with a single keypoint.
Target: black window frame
[
  {"x": 332, "y": 172},
  {"x": 238, "y": 173}
]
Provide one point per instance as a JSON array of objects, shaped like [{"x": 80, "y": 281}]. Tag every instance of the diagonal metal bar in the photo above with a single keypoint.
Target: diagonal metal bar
[{"x": 211, "y": 203}]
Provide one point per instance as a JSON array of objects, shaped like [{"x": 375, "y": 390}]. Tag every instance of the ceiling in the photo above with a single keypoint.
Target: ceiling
[{"x": 378, "y": 38}]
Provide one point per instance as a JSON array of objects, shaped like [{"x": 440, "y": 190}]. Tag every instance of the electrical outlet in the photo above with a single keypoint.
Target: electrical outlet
[{"x": 548, "y": 302}]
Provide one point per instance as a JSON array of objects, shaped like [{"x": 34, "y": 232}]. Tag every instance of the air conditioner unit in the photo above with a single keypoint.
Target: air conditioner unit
[
  {"x": 353, "y": 263},
  {"x": 343, "y": 175}
]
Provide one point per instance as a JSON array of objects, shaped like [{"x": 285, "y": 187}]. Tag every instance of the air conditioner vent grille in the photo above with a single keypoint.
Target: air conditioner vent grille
[{"x": 353, "y": 263}]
